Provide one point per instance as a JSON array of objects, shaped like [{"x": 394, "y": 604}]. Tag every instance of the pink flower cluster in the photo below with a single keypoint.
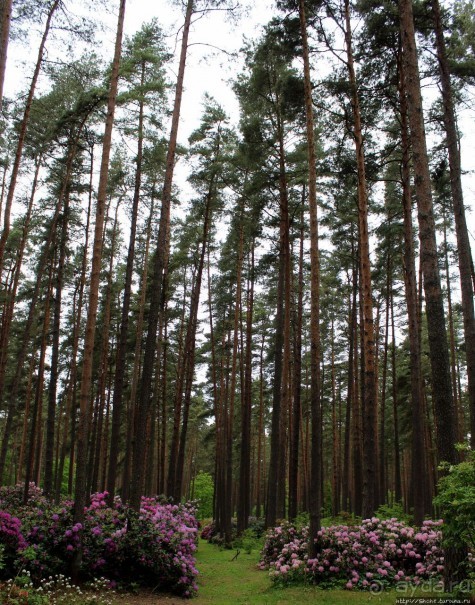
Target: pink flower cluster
[
  {"x": 11, "y": 537},
  {"x": 381, "y": 552},
  {"x": 174, "y": 542},
  {"x": 154, "y": 547}
]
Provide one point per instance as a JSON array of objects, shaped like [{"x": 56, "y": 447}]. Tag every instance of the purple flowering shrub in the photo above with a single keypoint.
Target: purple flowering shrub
[
  {"x": 375, "y": 553},
  {"x": 278, "y": 542},
  {"x": 163, "y": 542},
  {"x": 11, "y": 497},
  {"x": 105, "y": 527},
  {"x": 154, "y": 547},
  {"x": 45, "y": 530},
  {"x": 11, "y": 539},
  {"x": 38, "y": 524},
  {"x": 208, "y": 531}
]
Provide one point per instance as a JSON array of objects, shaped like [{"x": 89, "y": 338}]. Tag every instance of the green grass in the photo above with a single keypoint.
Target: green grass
[{"x": 223, "y": 581}]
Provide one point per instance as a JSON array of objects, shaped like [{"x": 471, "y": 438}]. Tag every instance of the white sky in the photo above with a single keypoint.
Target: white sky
[
  {"x": 210, "y": 71},
  {"x": 207, "y": 70}
]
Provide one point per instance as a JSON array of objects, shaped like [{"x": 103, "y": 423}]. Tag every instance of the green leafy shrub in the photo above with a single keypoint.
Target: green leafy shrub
[
  {"x": 301, "y": 520},
  {"x": 395, "y": 510},
  {"x": 257, "y": 526},
  {"x": 343, "y": 518},
  {"x": 248, "y": 541},
  {"x": 456, "y": 501},
  {"x": 203, "y": 492}
]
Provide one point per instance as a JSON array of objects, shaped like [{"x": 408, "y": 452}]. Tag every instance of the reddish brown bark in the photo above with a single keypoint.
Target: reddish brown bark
[
  {"x": 120, "y": 364},
  {"x": 137, "y": 362},
  {"x": 231, "y": 393},
  {"x": 159, "y": 267},
  {"x": 77, "y": 313},
  {"x": 297, "y": 406},
  {"x": 244, "y": 501},
  {"x": 463, "y": 241},
  {"x": 190, "y": 341},
  {"x": 418, "y": 450},
  {"x": 104, "y": 370},
  {"x": 315, "y": 353},
  {"x": 439, "y": 355},
  {"x": 36, "y": 420},
  {"x": 55, "y": 336},
  {"x": 6, "y": 14},
  {"x": 9, "y": 306},
  {"x": 22, "y": 134},
  {"x": 86, "y": 378},
  {"x": 370, "y": 411}
]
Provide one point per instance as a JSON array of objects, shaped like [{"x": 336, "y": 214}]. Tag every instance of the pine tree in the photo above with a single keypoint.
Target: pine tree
[{"x": 83, "y": 428}]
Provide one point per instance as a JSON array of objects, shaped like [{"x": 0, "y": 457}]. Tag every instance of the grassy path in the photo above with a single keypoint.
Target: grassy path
[{"x": 239, "y": 582}]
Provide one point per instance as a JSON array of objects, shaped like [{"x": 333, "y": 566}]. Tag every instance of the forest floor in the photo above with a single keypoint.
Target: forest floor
[{"x": 223, "y": 581}]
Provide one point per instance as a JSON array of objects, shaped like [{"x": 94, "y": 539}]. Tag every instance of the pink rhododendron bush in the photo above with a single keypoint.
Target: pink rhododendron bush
[
  {"x": 375, "y": 554},
  {"x": 152, "y": 548}
]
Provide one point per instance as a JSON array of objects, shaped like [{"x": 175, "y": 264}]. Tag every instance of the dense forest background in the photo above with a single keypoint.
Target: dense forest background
[{"x": 295, "y": 323}]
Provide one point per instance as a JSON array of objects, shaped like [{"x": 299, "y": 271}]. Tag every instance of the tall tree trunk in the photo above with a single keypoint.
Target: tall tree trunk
[
  {"x": 261, "y": 433},
  {"x": 159, "y": 265},
  {"x": 463, "y": 241},
  {"x": 54, "y": 370},
  {"x": 221, "y": 481},
  {"x": 216, "y": 406},
  {"x": 28, "y": 398},
  {"x": 102, "y": 462},
  {"x": 357, "y": 408},
  {"x": 190, "y": 342},
  {"x": 275, "y": 437},
  {"x": 7, "y": 316},
  {"x": 439, "y": 354},
  {"x": 450, "y": 320},
  {"x": 347, "y": 498},
  {"x": 286, "y": 356},
  {"x": 137, "y": 360},
  {"x": 244, "y": 503},
  {"x": 228, "y": 502},
  {"x": 22, "y": 133},
  {"x": 370, "y": 408},
  {"x": 101, "y": 397},
  {"x": 335, "y": 440},
  {"x": 297, "y": 405},
  {"x": 120, "y": 365},
  {"x": 35, "y": 427},
  {"x": 42, "y": 263},
  {"x": 164, "y": 409},
  {"x": 180, "y": 380},
  {"x": 6, "y": 15},
  {"x": 409, "y": 264},
  {"x": 71, "y": 389},
  {"x": 382, "y": 432},
  {"x": 398, "y": 491},
  {"x": 315, "y": 354},
  {"x": 86, "y": 378},
  {"x": 162, "y": 403}
]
